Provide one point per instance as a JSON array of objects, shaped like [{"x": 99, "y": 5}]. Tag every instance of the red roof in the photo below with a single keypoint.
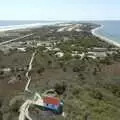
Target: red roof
[{"x": 51, "y": 100}]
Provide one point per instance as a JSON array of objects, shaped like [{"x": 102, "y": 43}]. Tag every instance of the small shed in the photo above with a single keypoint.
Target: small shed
[{"x": 53, "y": 103}]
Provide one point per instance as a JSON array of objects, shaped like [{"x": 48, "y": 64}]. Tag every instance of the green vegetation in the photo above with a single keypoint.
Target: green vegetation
[
  {"x": 89, "y": 87},
  {"x": 86, "y": 86}
]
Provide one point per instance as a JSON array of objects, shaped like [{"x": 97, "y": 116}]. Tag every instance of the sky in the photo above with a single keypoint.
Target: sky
[{"x": 59, "y": 9}]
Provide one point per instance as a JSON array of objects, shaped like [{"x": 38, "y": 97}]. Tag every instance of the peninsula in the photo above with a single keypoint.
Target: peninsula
[{"x": 68, "y": 58}]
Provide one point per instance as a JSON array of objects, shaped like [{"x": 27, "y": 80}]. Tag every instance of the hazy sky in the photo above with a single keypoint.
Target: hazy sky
[{"x": 59, "y": 9}]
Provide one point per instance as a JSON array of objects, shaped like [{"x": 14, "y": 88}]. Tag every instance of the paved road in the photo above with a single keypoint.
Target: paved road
[{"x": 12, "y": 40}]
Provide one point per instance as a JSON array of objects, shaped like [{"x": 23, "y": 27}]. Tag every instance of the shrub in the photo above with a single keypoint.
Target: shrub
[
  {"x": 76, "y": 69},
  {"x": 0, "y": 115},
  {"x": 115, "y": 90},
  {"x": 1, "y": 72},
  {"x": 40, "y": 70},
  {"x": 61, "y": 64},
  {"x": 75, "y": 91},
  {"x": 67, "y": 56},
  {"x": 64, "y": 69},
  {"x": 97, "y": 94},
  {"x": 49, "y": 62},
  {"x": 95, "y": 71},
  {"x": 60, "y": 88},
  {"x": 15, "y": 103},
  {"x": 106, "y": 61}
]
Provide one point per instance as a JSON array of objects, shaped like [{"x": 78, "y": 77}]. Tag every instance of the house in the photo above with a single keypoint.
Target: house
[
  {"x": 49, "y": 103},
  {"x": 53, "y": 104}
]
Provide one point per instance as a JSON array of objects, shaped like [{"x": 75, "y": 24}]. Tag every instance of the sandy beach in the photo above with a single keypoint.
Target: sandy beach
[
  {"x": 25, "y": 26},
  {"x": 15, "y": 27},
  {"x": 103, "y": 37}
]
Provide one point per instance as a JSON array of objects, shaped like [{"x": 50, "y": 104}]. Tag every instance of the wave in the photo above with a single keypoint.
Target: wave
[
  {"x": 110, "y": 41},
  {"x": 24, "y": 26}
]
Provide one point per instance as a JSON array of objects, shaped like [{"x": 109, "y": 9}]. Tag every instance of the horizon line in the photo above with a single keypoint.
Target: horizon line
[{"x": 60, "y": 20}]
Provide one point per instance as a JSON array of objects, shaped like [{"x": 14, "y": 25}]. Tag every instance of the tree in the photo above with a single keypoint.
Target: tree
[
  {"x": 64, "y": 69},
  {"x": 106, "y": 61},
  {"x": 40, "y": 70},
  {"x": 1, "y": 116},
  {"x": 95, "y": 71},
  {"x": 49, "y": 62},
  {"x": 1, "y": 72},
  {"x": 61, "y": 64},
  {"x": 76, "y": 69}
]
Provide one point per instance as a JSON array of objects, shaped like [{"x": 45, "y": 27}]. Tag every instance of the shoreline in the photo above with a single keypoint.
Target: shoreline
[
  {"x": 24, "y": 26},
  {"x": 110, "y": 41}
]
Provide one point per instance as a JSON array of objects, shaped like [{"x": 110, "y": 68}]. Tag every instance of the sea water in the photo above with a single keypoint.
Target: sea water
[
  {"x": 19, "y": 24},
  {"x": 109, "y": 29}
]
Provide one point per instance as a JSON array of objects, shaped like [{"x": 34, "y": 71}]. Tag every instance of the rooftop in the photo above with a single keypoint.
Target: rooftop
[{"x": 51, "y": 100}]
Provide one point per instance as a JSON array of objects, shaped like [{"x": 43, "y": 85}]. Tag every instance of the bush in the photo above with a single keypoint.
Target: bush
[
  {"x": 64, "y": 69},
  {"x": 95, "y": 71},
  {"x": 49, "y": 62},
  {"x": 115, "y": 90},
  {"x": 106, "y": 61},
  {"x": 40, "y": 70},
  {"x": 1, "y": 73},
  {"x": 97, "y": 94},
  {"x": 60, "y": 88},
  {"x": 67, "y": 56},
  {"x": 15, "y": 103},
  {"x": 76, "y": 69},
  {"x": 61, "y": 64},
  {"x": 0, "y": 115},
  {"x": 76, "y": 91}
]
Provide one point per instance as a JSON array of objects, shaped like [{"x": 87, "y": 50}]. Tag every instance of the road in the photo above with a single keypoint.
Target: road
[{"x": 13, "y": 40}]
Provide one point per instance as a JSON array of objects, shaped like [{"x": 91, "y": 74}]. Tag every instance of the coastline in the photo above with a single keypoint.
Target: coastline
[
  {"x": 110, "y": 41},
  {"x": 24, "y": 26},
  {"x": 15, "y": 27}
]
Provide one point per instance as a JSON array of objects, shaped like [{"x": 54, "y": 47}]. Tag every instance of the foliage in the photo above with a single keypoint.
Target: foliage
[{"x": 60, "y": 88}]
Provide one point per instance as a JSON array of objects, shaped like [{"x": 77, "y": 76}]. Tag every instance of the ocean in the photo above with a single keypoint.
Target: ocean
[
  {"x": 110, "y": 30},
  {"x": 17, "y": 24}
]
